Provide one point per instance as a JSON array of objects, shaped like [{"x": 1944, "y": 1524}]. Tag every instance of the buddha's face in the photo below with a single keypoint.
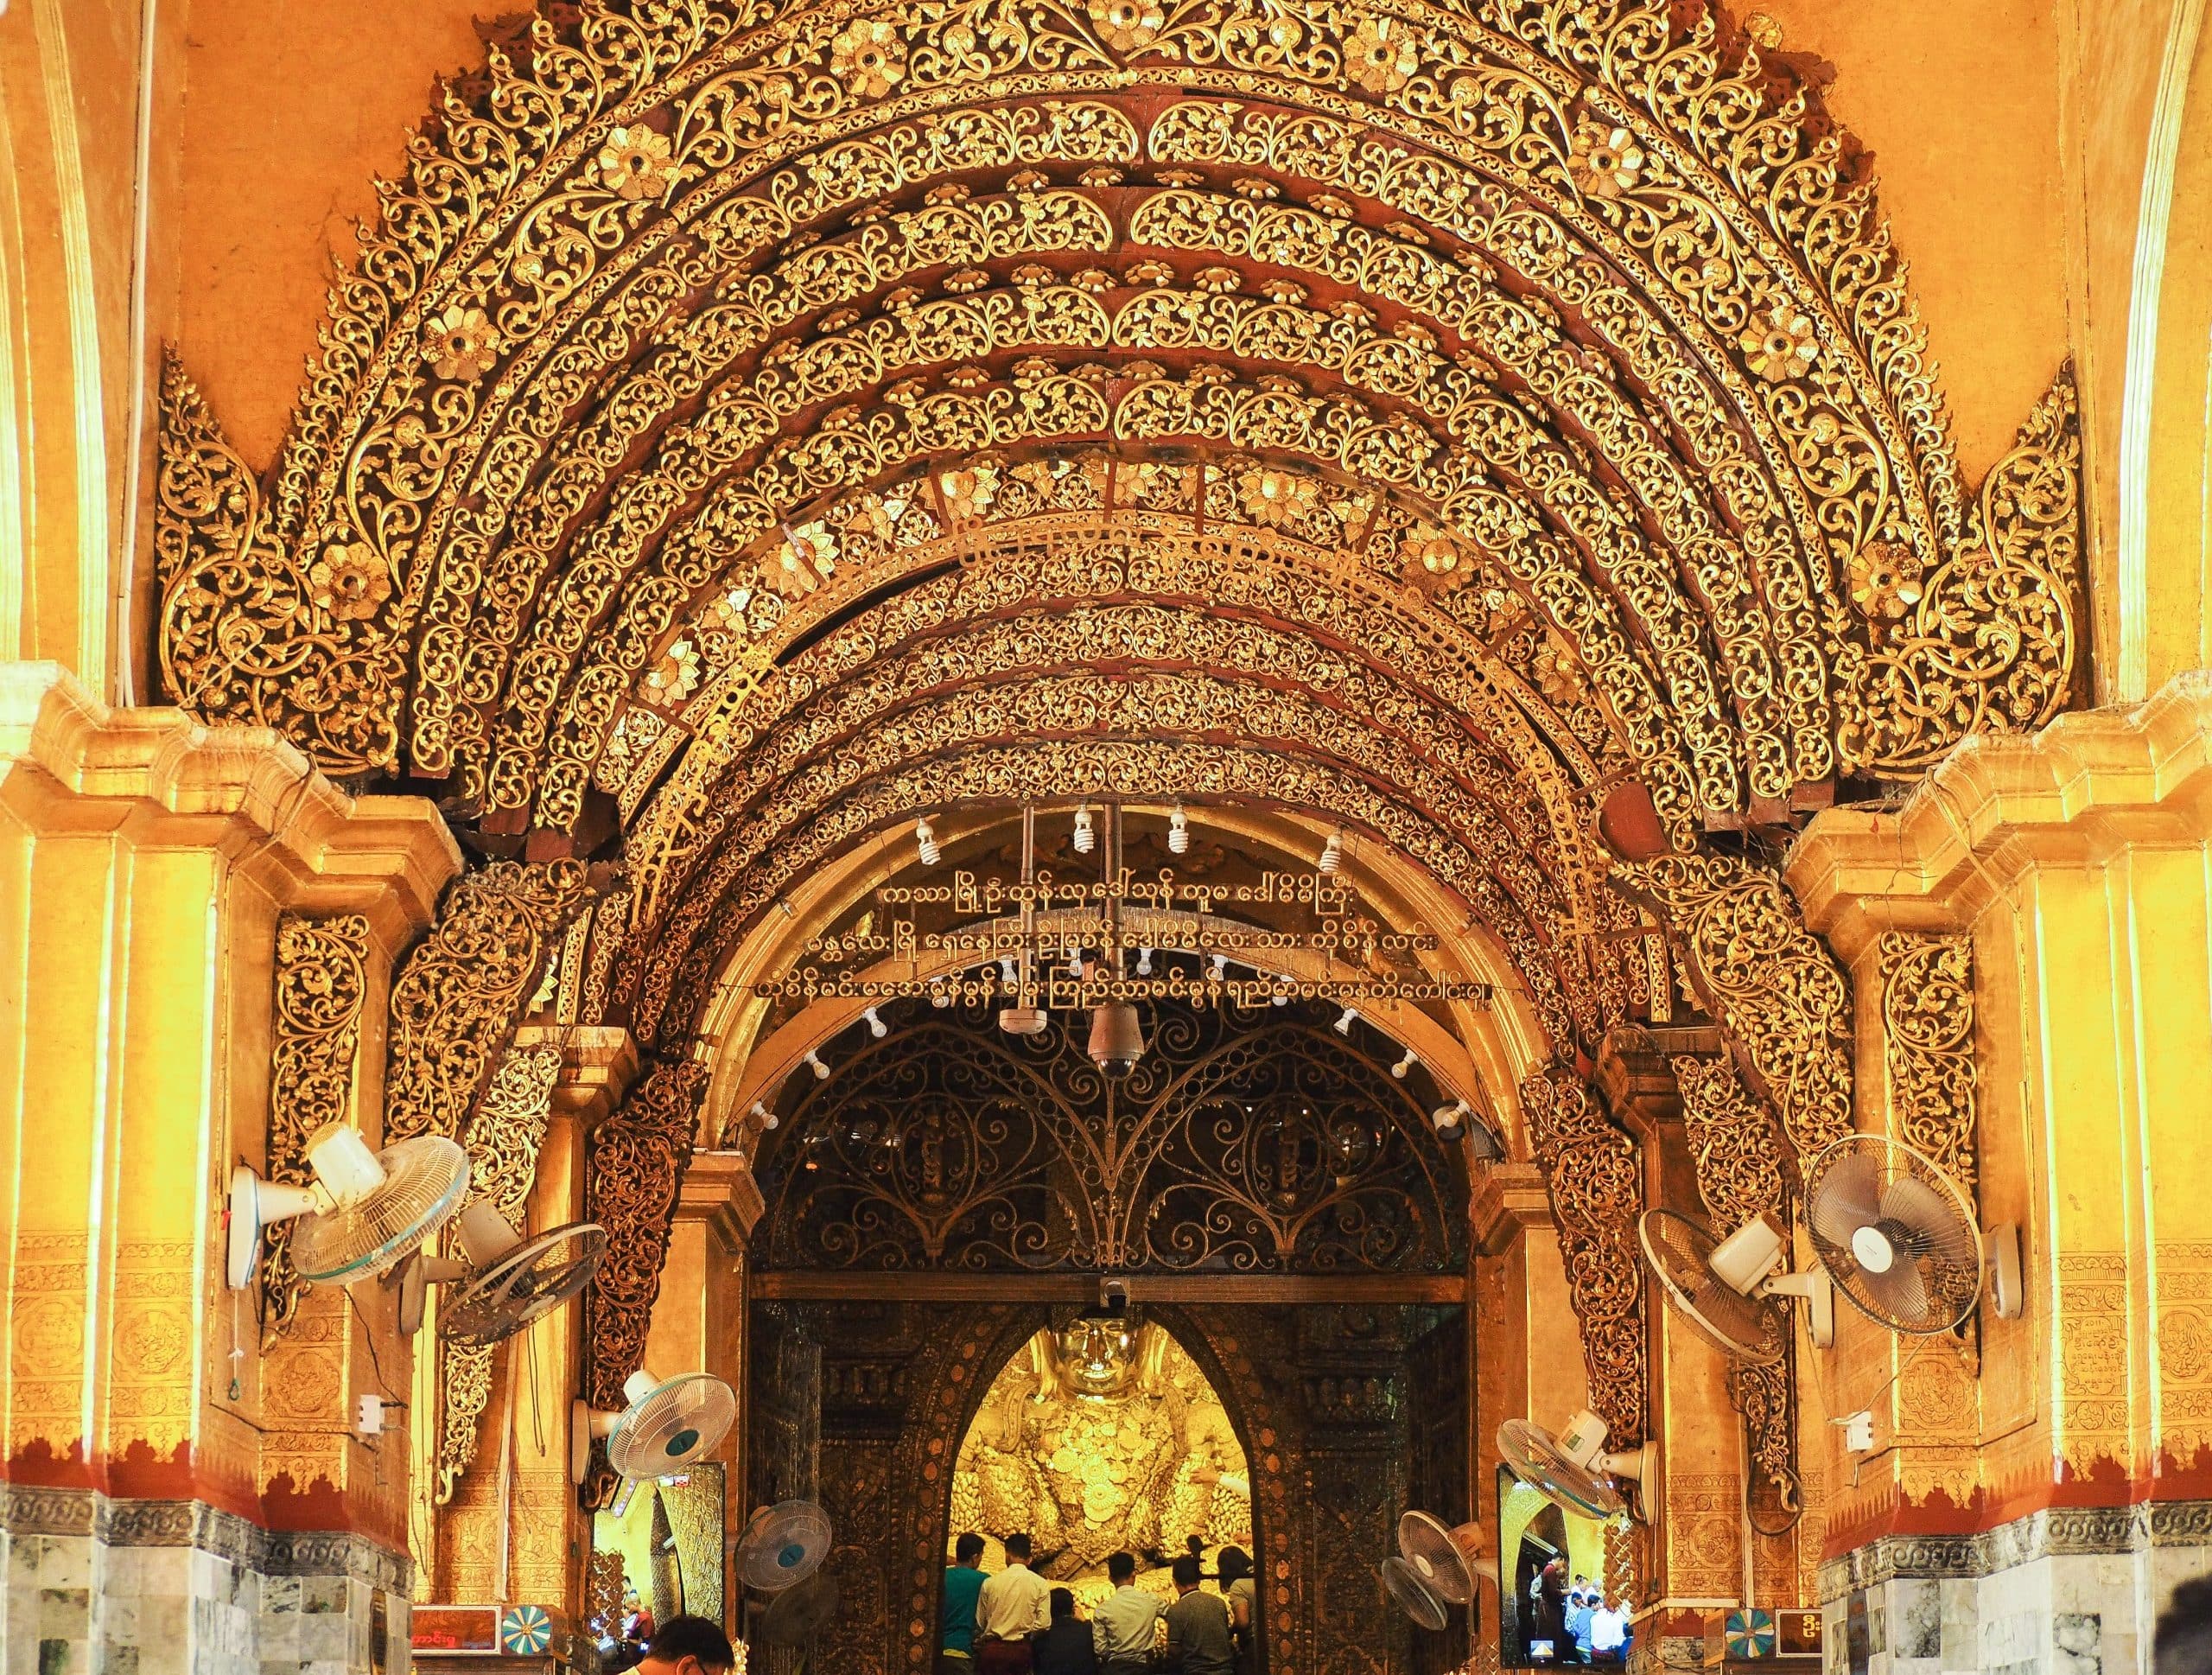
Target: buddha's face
[{"x": 1097, "y": 1357}]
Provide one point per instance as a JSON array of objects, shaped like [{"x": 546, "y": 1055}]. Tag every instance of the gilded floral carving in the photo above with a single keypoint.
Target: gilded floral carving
[
  {"x": 458, "y": 996},
  {"x": 321, "y": 985},
  {"x": 1928, "y": 1016}
]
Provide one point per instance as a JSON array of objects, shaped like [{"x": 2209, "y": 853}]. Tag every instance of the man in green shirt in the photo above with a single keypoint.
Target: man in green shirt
[
  {"x": 963, "y": 1581},
  {"x": 1198, "y": 1627}
]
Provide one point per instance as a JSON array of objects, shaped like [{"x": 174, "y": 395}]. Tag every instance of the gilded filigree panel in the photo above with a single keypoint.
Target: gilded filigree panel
[
  {"x": 1928, "y": 1047},
  {"x": 321, "y": 985},
  {"x": 458, "y": 997}
]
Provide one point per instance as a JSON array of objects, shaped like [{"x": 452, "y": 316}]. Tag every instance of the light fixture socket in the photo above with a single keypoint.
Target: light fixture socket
[{"x": 1116, "y": 1038}]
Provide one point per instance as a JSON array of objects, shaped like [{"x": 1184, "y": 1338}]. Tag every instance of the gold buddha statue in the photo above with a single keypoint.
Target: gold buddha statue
[{"x": 1103, "y": 1436}]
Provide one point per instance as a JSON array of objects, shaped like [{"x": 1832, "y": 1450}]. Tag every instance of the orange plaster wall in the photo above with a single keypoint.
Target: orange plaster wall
[
  {"x": 289, "y": 112},
  {"x": 1959, "y": 103}
]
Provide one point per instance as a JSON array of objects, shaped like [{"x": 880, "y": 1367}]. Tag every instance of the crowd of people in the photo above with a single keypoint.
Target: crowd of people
[
  {"x": 1015, "y": 1623},
  {"x": 1574, "y": 1619}
]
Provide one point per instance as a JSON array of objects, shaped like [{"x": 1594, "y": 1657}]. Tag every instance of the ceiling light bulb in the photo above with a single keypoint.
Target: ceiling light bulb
[
  {"x": 1086, "y": 835},
  {"x": 1009, "y": 975},
  {"x": 1279, "y": 1000},
  {"x": 876, "y": 1026},
  {"x": 925, "y": 839},
  {"x": 1075, "y": 963},
  {"x": 1144, "y": 962},
  {"x": 1220, "y": 967},
  {"x": 768, "y": 1118},
  {"x": 1178, "y": 832},
  {"x": 939, "y": 994},
  {"x": 814, "y": 1063},
  {"x": 1344, "y": 1024},
  {"x": 1404, "y": 1064},
  {"x": 1332, "y": 852}
]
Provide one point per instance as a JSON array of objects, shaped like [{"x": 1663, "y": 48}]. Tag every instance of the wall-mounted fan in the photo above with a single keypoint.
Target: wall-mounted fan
[
  {"x": 1414, "y": 1595},
  {"x": 795, "y": 1617},
  {"x": 1751, "y": 1262},
  {"x": 1573, "y": 1470},
  {"x": 1447, "y": 1558},
  {"x": 503, "y": 1282},
  {"x": 1900, "y": 1239},
  {"x": 781, "y": 1546},
  {"x": 365, "y": 1210},
  {"x": 1751, "y": 1325},
  {"x": 666, "y": 1426}
]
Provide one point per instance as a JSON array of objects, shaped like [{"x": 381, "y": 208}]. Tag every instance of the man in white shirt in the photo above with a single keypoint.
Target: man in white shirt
[
  {"x": 1014, "y": 1605},
  {"x": 1608, "y": 1633},
  {"x": 1123, "y": 1623}
]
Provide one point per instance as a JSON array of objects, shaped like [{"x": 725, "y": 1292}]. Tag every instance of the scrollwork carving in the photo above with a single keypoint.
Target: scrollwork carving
[
  {"x": 634, "y": 1168},
  {"x": 504, "y": 1138},
  {"x": 1928, "y": 1020},
  {"x": 1741, "y": 1174},
  {"x": 459, "y": 996},
  {"x": 1597, "y": 1191},
  {"x": 1784, "y": 999},
  {"x": 321, "y": 984}
]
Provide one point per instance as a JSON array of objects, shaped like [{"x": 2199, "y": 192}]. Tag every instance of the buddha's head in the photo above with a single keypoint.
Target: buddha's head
[{"x": 1097, "y": 1355}]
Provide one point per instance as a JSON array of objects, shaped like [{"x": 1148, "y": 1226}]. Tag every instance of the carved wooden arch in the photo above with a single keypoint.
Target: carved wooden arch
[{"x": 619, "y": 167}]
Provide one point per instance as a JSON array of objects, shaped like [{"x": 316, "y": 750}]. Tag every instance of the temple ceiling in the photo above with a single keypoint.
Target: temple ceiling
[{"x": 747, "y": 430}]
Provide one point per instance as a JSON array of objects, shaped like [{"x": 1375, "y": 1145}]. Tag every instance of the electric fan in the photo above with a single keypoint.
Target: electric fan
[
  {"x": 797, "y": 1615},
  {"x": 1899, "y": 1238},
  {"x": 782, "y": 1545},
  {"x": 665, "y": 1428},
  {"x": 1413, "y": 1595},
  {"x": 1749, "y": 1326},
  {"x": 504, "y": 1283},
  {"x": 365, "y": 1212},
  {"x": 1751, "y": 1262},
  {"x": 1447, "y": 1559},
  {"x": 1572, "y": 1470}
]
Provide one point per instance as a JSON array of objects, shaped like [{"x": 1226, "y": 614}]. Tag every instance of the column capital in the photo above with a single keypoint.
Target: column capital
[
  {"x": 598, "y": 1064},
  {"x": 719, "y": 1189},
  {"x": 1506, "y": 1199},
  {"x": 70, "y": 764}
]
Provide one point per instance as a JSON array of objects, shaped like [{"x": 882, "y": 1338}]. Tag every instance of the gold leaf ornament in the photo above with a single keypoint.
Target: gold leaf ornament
[
  {"x": 1127, "y": 26},
  {"x": 868, "y": 57},
  {"x": 635, "y": 163},
  {"x": 1604, "y": 161},
  {"x": 460, "y": 344},
  {"x": 350, "y": 580}
]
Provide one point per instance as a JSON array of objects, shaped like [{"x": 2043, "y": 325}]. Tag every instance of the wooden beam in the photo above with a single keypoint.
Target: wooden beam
[{"x": 812, "y": 1287}]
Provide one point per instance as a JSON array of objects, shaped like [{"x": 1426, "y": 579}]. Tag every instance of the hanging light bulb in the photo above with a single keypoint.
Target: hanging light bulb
[
  {"x": 1075, "y": 963},
  {"x": 1404, "y": 1064},
  {"x": 1116, "y": 1038},
  {"x": 1279, "y": 999},
  {"x": 814, "y": 1063},
  {"x": 1178, "y": 831},
  {"x": 1344, "y": 1024},
  {"x": 940, "y": 995},
  {"x": 766, "y": 1117},
  {"x": 1144, "y": 962},
  {"x": 925, "y": 839},
  {"x": 1008, "y": 976},
  {"x": 1220, "y": 967},
  {"x": 876, "y": 1026},
  {"x": 1333, "y": 853},
  {"x": 1086, "y": 834}
]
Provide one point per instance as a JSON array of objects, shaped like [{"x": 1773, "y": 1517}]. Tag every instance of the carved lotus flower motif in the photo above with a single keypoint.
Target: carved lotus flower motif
[
  {"x": 1276, "y": 498},
  {"x": 970, "y": 492},
  {"x": 1381, "y": 55},
  {"x": 811, "y": 551},
  {"x": 1127, "y": 26},
  {"x": 350, "y": 580},
  {"x": 1438, "y": 553},
  {"x": 635, "y": 163},
  {"x": 1149, "y": 272},
  {"x": 461, "y": 343},
  {"x": 674, "y": 675},
  {"x": 1885, "y": 579},
  {"x": 1604, "y": 161},
  {"x": 1781, "y": 342},
  {"x": 1556, "y": 674},
  {"x": 868, "y": 57}
]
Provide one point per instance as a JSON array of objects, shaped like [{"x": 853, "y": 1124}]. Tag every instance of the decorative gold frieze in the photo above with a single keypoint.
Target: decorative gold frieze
[
  {"x": 1596, "y": 1191},
  {"x": 504, "y": 1138},
  {"x": 1772, "y": 984},
  {"x": 321, "y": 984},
  {"x": 1928, "y": 1015},
  {"x": 458, "y": 998}
]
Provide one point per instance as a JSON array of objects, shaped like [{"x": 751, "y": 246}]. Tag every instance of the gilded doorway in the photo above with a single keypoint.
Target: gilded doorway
[{"x": 1101, "y": 1436}]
